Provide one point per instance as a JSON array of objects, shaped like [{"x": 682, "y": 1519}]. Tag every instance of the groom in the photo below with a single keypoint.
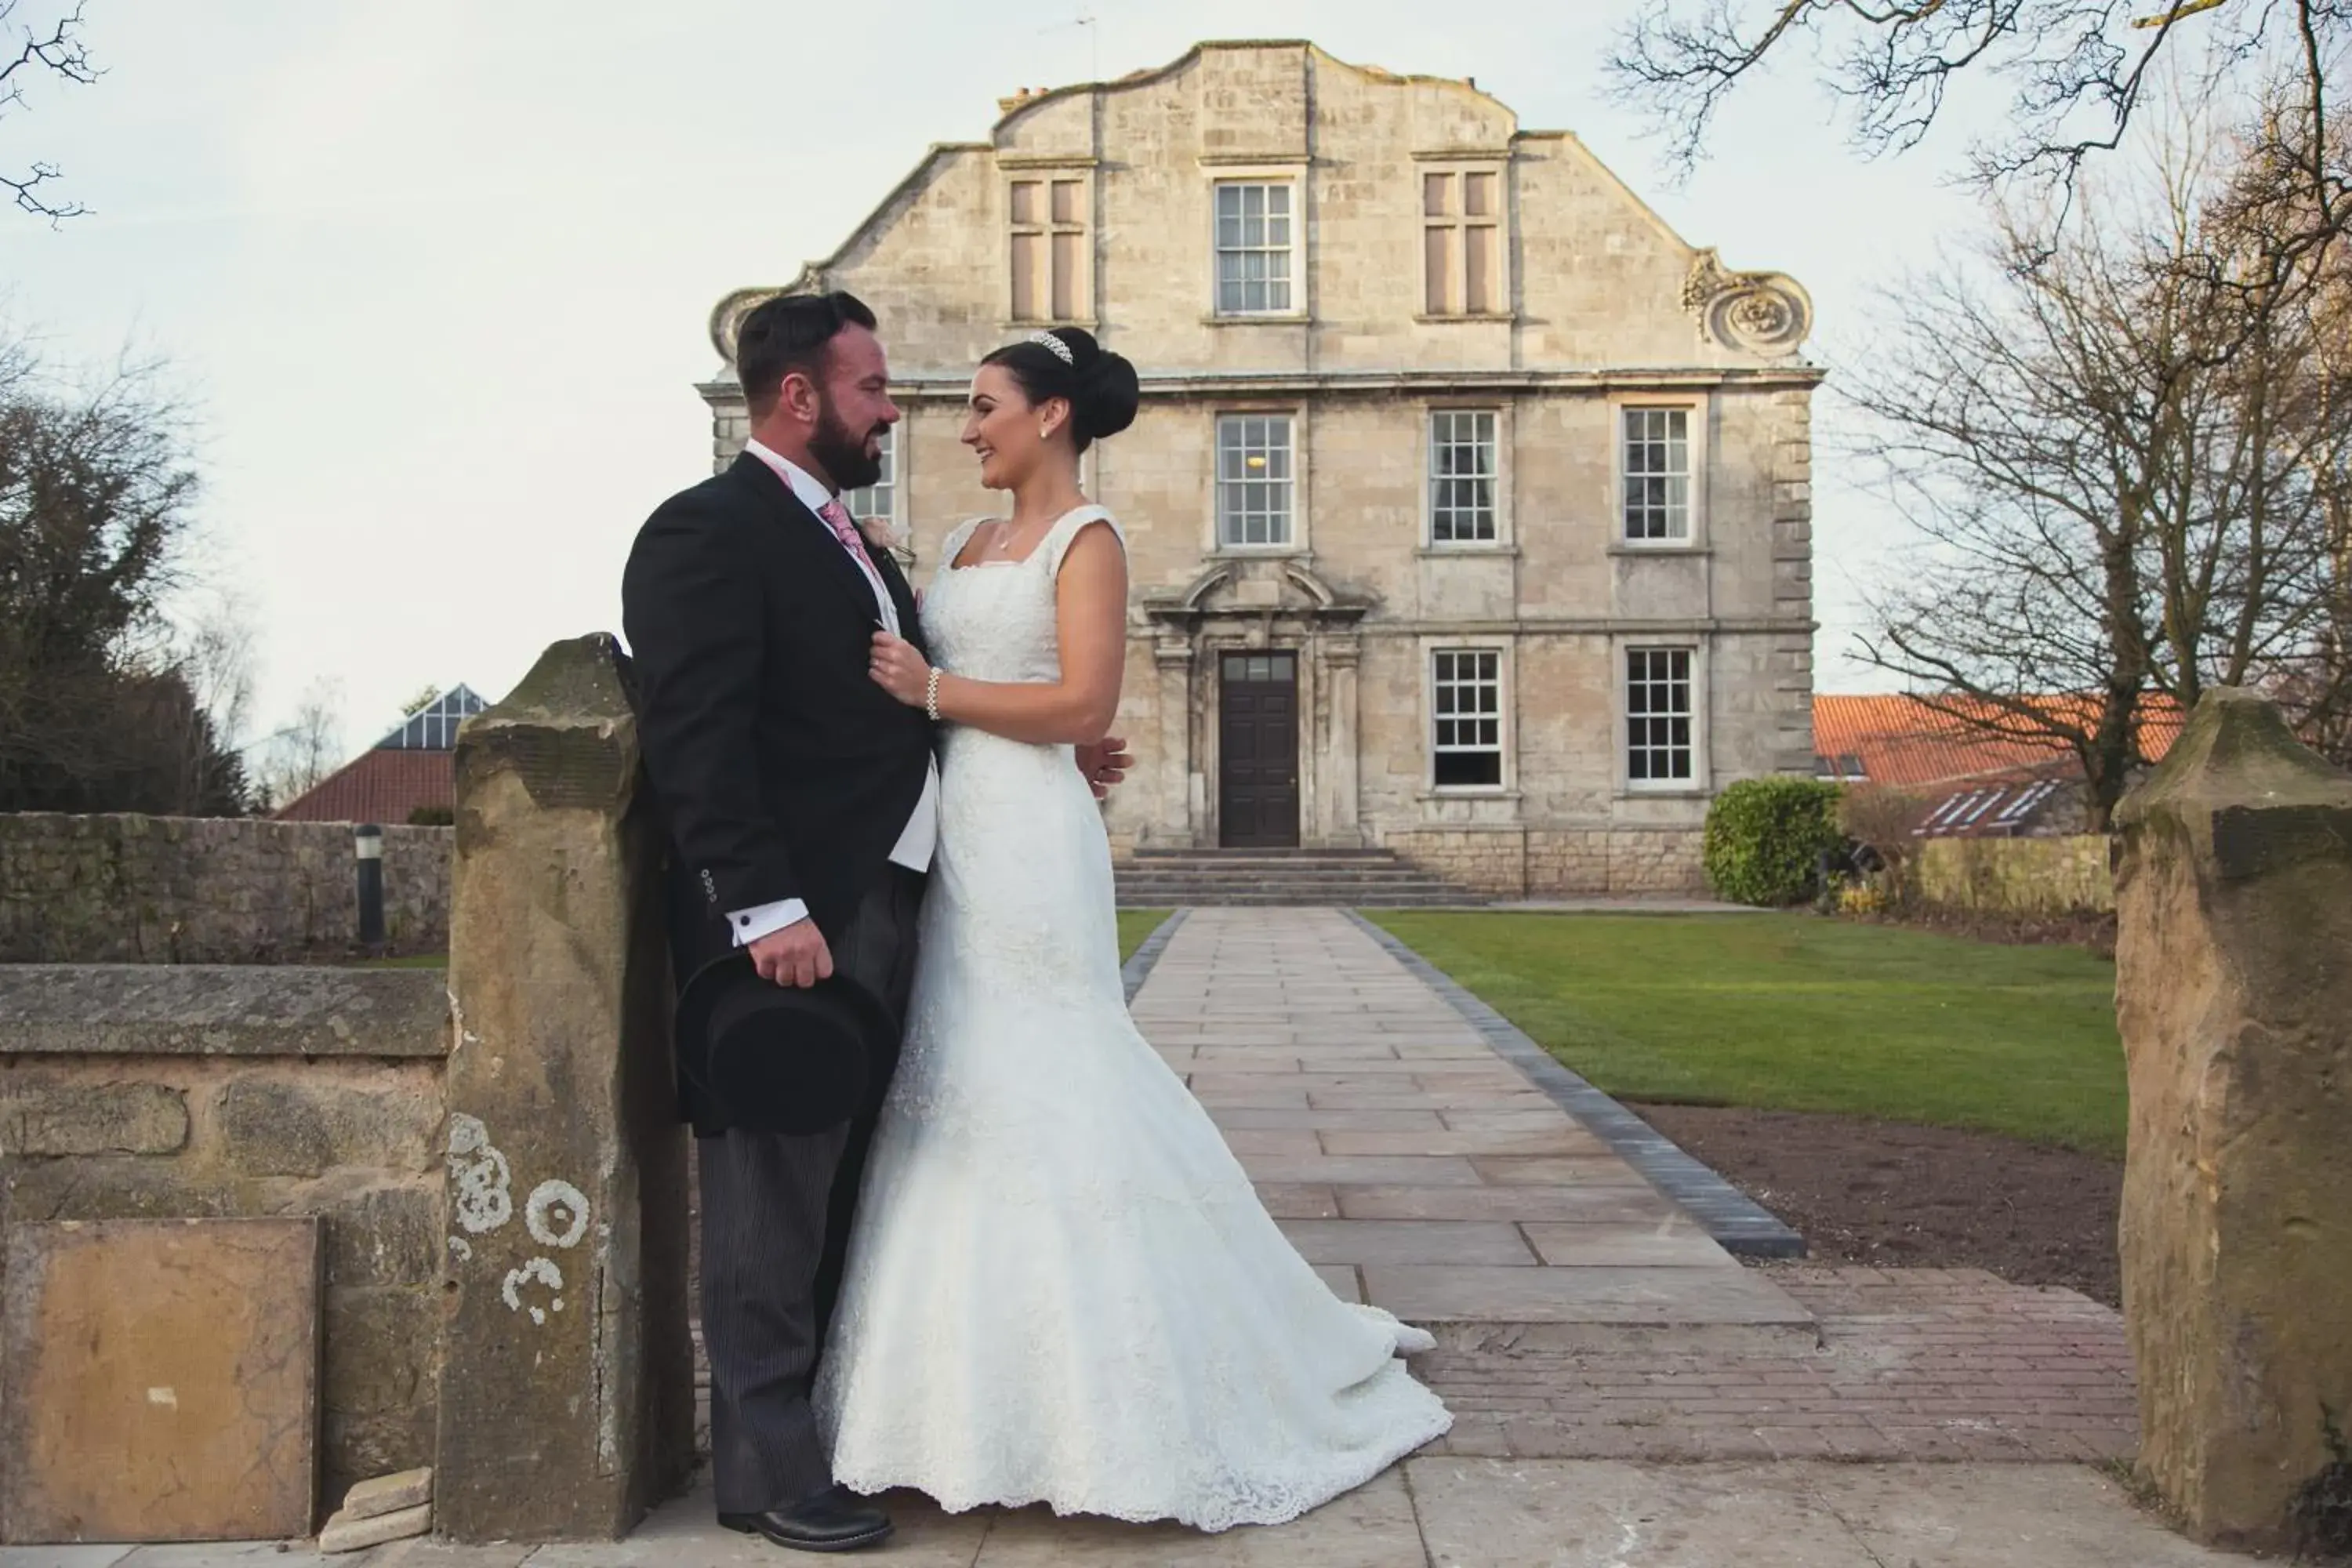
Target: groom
[{"x": 802, "y": 809}]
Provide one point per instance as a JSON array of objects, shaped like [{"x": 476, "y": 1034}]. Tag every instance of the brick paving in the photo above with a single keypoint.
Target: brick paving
[{"x": 1912, "y": 1364}]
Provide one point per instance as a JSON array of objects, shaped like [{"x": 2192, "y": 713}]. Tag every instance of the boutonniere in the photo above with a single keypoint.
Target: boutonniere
[{"x": 883, "y": 533}]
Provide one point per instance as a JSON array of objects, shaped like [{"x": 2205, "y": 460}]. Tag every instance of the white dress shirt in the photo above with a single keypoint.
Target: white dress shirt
[{"x": 921, "y": 834}]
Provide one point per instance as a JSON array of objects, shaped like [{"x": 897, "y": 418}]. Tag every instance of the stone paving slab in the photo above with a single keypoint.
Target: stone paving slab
[
  {"x": 1731, "y": 1216},
  {"x": 1488, "y": 1242},
  {"x": 1488, "y": 1514},
  {"x": 1447, "y": 1511},
  {"x": 1590, "y": 1204},
  {"x": 1676, "y": 1243},
  {"x": 1391, "y": 1135},
  {"x": 1430, "y": 1294}
]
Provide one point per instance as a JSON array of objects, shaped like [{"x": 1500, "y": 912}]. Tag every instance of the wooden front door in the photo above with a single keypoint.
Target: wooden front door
[{"x": 1257, "y": 751}]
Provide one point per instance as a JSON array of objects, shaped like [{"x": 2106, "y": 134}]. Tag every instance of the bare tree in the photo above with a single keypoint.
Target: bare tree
[
  {"x": 2266, "y": 266},
  {"x": 299, "y": 754},
  {"x": 2117, "y": 464},
  {"x": 2079, "y": 72},
  {"x": 57, "y": 49}
]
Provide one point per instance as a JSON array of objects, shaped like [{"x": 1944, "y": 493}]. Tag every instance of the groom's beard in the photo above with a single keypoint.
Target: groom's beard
[{"x": 844, "y": 454}]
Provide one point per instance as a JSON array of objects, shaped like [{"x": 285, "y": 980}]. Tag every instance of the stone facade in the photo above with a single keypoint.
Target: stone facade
[
  {"x": 1461, "y": 300},
  {"x": 195, "y": 1091},
  {"x": 179, "y": 890}
]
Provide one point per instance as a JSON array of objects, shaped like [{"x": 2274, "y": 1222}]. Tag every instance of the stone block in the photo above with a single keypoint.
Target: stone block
[
  {"x": 281, "y": 1126},
  {"x": 566, "y": 1400},
  {"x": 233, "y": 1010},
  {"x": 391, "y": 1236},
  {"x": 379, "y": 1349},
  {"x": 389, "y": 1494},
  {"x": 2234, "y": 904},
  {"x": 116, "y": 1187},
  {"x": 162, "y": 1380},
  {"x": 346, "y": 1533},
  {"x": 61, "y": 1119}
]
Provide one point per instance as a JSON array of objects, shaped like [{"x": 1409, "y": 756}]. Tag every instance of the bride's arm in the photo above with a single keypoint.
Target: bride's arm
[{"x": 1090, "y": 614}]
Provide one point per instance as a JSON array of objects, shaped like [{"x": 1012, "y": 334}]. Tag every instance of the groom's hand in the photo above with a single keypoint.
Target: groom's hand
[
  {"x": 1104, "y": 763},
  {"x": 795, "y": 955}
]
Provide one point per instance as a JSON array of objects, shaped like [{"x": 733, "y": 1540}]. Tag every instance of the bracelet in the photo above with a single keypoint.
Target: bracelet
[{"x": 931, "y": 695}]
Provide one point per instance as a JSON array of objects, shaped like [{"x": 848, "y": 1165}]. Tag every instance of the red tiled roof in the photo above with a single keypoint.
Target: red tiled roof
[
  {"x": 384, "y": 786},
  {"x": 1901, "y": 740}
]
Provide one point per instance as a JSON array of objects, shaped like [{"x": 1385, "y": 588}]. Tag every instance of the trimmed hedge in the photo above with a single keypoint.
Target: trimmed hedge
[{"x": 1764, "y": 838}]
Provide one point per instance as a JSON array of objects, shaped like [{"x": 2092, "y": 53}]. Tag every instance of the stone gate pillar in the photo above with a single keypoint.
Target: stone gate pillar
[
  {"x": 2233, "y": 987},
  {"x": 567, "y": 1398}
]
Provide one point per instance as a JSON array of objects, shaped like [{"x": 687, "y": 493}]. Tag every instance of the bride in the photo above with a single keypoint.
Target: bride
[{"x": 1062, "y": 1287}]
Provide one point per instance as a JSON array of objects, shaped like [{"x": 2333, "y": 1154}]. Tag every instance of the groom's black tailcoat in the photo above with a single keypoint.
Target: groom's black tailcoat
[{"x": 784, "y": 772}]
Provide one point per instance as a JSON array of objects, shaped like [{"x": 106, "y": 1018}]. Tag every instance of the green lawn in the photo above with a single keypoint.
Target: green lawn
[
  {"x": 1134, "y": 925},
  {"x": 1788, "y": 1012}
]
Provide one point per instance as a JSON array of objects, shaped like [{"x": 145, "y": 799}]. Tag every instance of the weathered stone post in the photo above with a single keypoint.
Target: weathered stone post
[
  {"x": 2234, "y": 989},
  {"x": 567, "y": 1398}
]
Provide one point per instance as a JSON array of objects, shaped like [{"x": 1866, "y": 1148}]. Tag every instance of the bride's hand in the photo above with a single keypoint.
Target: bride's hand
[{"x": 898, "y": 669}]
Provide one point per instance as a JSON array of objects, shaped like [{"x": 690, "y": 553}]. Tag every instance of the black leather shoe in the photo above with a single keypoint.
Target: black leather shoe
[{"x": 833, "y": 1519}]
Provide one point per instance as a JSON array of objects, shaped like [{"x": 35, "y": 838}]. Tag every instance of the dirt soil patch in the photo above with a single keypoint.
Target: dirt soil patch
[
  {"x": 2092, "y": 929},
  {"x": 1895, "y": 1196}
]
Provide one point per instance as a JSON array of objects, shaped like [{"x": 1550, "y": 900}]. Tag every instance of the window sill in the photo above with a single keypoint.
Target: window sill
[
  {"x": 1264, "y": 319},
  {"x": 1663, "y": 547},
  {"x": 1483, "y": 548},
  {"x": 1470, "y": 792},
  {"x": 1257, "y": 552},
  {"x": 1497, "y": 319},
  {"x": 1084, "y": 323},
  {"x": 1661, "y": 792}
]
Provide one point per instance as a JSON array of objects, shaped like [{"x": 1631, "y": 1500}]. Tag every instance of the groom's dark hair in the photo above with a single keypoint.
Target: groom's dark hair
[{"x": 790, "y": 333}]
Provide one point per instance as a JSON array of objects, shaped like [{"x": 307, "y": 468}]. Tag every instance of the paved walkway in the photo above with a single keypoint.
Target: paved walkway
[
  {"x": 1420, "y": 1170},
  {"x": 1589, "y": 1332}
]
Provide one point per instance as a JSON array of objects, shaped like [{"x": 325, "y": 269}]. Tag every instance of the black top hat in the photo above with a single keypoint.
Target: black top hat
[{"x": 779, "y": 1059}]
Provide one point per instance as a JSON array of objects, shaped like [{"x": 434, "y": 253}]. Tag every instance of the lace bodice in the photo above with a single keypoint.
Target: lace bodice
[{"x": 995, "y": 621}]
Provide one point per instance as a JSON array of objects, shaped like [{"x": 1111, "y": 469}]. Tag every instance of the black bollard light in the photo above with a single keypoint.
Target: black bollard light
[{"x": 367, "y": 846}]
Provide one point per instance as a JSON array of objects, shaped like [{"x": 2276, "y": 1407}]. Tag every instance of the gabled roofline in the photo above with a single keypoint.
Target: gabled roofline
[
  {"x": 1709, "y": 292},
  {"x": 729, "y": 312}
]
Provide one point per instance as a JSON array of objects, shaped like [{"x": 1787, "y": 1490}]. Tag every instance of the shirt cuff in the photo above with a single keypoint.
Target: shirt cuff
[{"x": 766, "y": 920}]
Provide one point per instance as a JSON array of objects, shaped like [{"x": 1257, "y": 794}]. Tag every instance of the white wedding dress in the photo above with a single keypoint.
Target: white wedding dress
[{"x": 1062, "y": 1287}]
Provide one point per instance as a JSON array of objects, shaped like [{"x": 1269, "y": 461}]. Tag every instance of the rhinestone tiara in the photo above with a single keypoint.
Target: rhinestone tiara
[{"x": 1060, "y": 349}]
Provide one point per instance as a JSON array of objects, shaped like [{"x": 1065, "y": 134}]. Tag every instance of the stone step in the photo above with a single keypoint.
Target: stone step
[
  {"x": 1160, "y": 879},
  {"x": 1449, "y": 900},
  {"x": 1320, "y": 889},
  {"x": 1261, "y": 852},
  {"x": 1332, "y": 879}
]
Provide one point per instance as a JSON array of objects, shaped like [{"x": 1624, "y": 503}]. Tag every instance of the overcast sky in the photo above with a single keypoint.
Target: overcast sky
[{"x": 438, "y": 273}]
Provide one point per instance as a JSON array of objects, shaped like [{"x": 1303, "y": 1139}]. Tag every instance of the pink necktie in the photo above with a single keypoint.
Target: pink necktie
[{"x": 844, "y": 528}]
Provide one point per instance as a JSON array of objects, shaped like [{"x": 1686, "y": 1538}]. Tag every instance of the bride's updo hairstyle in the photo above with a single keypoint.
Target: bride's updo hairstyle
[{"x": 1067, "y": 363}]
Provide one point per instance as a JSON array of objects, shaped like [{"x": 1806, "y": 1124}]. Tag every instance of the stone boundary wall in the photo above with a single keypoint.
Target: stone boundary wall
[
  {"x": 1516, "y": 862},
  {"x": 196, "y": 1091},
  {"x": 183, "y": 889},
  {"x": 2016, "y": 875}
]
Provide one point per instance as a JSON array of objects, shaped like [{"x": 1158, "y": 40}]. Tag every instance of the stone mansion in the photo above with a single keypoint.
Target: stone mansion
[{"x": 1468, "y": 508}]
